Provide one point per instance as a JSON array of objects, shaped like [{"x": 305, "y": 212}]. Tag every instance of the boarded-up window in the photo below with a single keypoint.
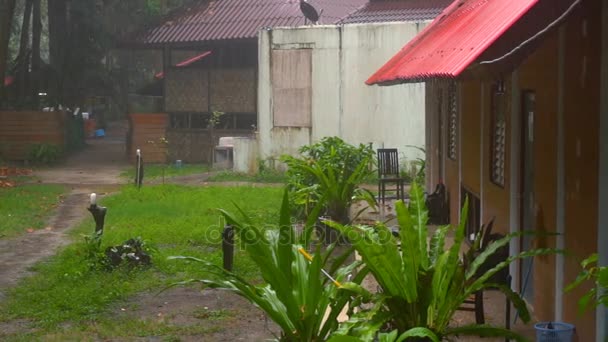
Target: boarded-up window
[
  {"x": 452, "y": 120},
  {"x": 291, "y": 87},
  {"x": 499, "y": 128},
  {"x": 186, "y": 90}
]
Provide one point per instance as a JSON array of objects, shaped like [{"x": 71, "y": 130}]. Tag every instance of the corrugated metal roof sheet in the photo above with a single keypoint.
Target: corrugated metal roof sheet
[
  {"x": 453, "y": 41},
  {"x": 240, "y": 19},
  {"x": 397, "y": 10},
  {"x": 186, "y": 62}
]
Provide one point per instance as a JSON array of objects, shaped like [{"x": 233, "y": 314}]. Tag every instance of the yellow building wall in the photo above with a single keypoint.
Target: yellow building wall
[
  {"x": 471, "y": 135},
  {"x": 581, "y": 107},
  {"x": 539, "y": 73}
]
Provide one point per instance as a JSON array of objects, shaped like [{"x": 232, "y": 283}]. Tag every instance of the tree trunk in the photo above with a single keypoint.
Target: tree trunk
[
  {"x": 23, "y": 60},
  {"x": 57, "y": 15},
  {"x": 7, "y": 7},
  {"x": 36, "y": 32}
]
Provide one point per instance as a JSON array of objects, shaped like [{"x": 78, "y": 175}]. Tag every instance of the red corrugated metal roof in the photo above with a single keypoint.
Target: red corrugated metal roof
[
  {"x": 453, "y": 41},
  {"x": 240, "y": 19},
  {"x": 186, "y": 62},
  {"x": 397, "y": 10}
]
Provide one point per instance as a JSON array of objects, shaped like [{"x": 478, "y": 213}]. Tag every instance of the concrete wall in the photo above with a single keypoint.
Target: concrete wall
[{"x": 342, "y": 105}]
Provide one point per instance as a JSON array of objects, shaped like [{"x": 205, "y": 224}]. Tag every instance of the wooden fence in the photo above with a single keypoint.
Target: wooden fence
[
  {"x": 146, "y": 131},
  {"x": 20, "y": 130}
]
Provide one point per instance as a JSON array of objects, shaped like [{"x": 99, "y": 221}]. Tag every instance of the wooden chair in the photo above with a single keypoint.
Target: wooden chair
[
  {"x": 388, "y": 173},
  {"x": 503, "y": 277}
]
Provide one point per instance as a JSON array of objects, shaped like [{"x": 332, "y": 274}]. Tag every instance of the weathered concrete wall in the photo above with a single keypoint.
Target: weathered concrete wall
[{"x": 342, "y": 105}]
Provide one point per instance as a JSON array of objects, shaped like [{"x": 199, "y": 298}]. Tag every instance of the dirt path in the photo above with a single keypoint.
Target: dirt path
[
  {"x": 18, "y": 254},
  {"x": 96, "y": 168}
]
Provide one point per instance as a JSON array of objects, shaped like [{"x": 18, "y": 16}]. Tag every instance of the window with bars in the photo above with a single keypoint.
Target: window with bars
[
  {"x": 452, "y": 120},
  {"x": 498, "y": 138}
]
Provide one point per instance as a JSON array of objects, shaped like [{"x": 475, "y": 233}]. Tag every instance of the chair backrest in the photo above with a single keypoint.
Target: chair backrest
[{"x": 388, "y": 162}]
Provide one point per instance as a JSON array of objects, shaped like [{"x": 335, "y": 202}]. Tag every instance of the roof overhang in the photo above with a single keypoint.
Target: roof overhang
[
  {"x": 467, "y": 35},
  {"x": 185, "y": 63}
]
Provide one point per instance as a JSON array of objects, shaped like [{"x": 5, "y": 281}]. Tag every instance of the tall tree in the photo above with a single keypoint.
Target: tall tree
[
  {"x": 23, "y": 58},
  {"x": 7, "y": 8},
  {"x": 57, "y": 14},
  {"x": 35, "y": 58}
]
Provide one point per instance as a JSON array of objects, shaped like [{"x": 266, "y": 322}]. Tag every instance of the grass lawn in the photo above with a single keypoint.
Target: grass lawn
[
  {"x": 26, "y": 207},
  {"x": 152, "y": 171},
  {"x": 262, "y": 177},
  {"x": 177, "y": 220}
]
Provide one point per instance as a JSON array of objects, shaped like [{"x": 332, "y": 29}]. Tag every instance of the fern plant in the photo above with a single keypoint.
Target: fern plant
[
  {"x": 424, "y": 282},
  {"x": 296, "y": 294},
  {"x": 330, "y": 172}
]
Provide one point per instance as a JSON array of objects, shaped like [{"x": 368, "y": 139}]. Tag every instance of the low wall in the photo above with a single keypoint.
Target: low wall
[
  {"x": 196, "y": 145},
  {"x": 19, "y": 130},
  {"x": 146, "y": 131}
]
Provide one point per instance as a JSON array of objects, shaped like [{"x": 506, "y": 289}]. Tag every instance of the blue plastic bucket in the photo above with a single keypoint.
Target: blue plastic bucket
[
  {"x": 100, "y": 133},
  {"x": 561, "y": 332}
]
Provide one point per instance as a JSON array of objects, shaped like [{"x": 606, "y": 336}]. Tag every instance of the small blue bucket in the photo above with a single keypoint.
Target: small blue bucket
[
  {"x": 178, "y": 163},
  {"x": 100, "y": 133},
  {"x": 561, "y": 332}
]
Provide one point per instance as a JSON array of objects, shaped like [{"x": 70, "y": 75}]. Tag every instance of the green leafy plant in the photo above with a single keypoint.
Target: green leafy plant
[
  {"x": 44, "y": 153},
  {"x": 414, "y": 170},
  {"x": 296, "y": 294},
  {"x": 598, "y": 295},
  {"x": 330, "y": 172},
  {"x": 424, "y": 283}
]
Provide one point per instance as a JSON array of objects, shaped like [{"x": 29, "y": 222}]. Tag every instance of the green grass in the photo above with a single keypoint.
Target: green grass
[
  {"x": 152, "y": 171},
  {"x": 27, "y": 206},
  {"x": 177, "y": 220},
  {"x": 262, "y": 177}
]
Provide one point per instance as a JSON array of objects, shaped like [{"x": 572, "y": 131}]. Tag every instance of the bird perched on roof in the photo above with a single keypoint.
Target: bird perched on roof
[{"x": 310, "y": 13}]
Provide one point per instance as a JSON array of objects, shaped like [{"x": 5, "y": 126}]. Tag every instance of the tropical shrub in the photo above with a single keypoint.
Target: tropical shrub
[
  {"x": 422, "y": 284},
  {"x": 598, "y": 295},
  {"x": 44, "y": 153},
  {"x": 330, "y": 172},
  {"x": 296, "y": 293}
]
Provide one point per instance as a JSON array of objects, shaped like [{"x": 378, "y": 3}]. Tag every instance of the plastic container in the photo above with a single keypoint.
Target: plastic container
[
  {"x": 178, "y": 163},
  {"x": 560, "y": 332}
]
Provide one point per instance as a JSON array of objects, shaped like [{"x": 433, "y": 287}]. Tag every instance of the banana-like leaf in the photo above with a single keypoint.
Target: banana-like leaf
[
  {"x": 484, "y": 331},
  {"x": 437, "y": 244},
  {"x": 418, "y": 332},
  {"x": 410, "y": 252},
  {"x": 483, "y": 279},
  {"x": 419, "y": 212},
  {"x": 514, "y": 298},
  {"x": 388, "y": 337}
]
